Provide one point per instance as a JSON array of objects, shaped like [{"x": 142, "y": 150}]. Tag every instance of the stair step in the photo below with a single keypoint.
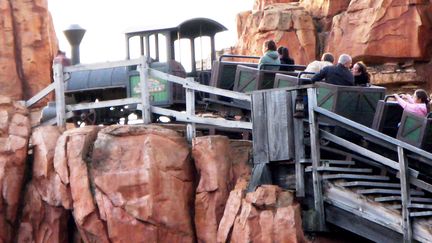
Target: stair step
[
  {"x": 388, "y": 191},
  {"x": 340, "y": 169},
  {"x": 370, "y": 183},
  {"x": 338, "y": 162},
  {"x": 420, "y": 205},
  {"x": 356, "y": 176},
  {"x": 399, "y": 198},
  {"x": 421, "y": 214}
]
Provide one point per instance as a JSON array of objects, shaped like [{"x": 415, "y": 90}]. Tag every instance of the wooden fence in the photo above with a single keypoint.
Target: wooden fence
[{"x": 64, "y": 111}]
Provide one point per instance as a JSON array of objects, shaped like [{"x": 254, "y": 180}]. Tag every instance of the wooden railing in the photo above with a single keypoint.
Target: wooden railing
[{"x": 64, "y": 111}]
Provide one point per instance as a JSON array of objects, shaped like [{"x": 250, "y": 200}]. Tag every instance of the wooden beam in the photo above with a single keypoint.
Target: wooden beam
[
  {"x": 299, "y": 150},
  {"x": 316, "y": 159},
  {"x": 40, "y": 95},
  {"x": 103, "y": 104},
  {"x": 405, "y": 192},
  {"x": 200, "y": 87},
  {"x": 209, "y": 121},
  {"x": 59, "y": 94},
  {"x": 145, "y": 97},
  {"x": 190, "y": 111}
]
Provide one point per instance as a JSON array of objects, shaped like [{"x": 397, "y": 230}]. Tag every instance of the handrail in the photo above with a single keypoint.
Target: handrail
[
  {"x": 373, "y": 133},
  {"x": 296, "y": 67}
]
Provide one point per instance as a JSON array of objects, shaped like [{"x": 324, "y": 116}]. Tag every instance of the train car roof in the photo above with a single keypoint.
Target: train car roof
[{"x": 190, "y": 28}]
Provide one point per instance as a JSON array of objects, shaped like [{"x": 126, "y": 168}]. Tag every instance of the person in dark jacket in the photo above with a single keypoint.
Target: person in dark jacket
[
  {"x": 270, "y": 56},
  {"x": 285, "y": 59},
  {"x": 339, "y": 74},
  {"x": 361, "y": 75}
]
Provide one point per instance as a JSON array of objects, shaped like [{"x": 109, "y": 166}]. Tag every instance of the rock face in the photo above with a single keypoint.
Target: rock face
[
  {"x": 266, "y": 215},
  {"x": 219, "y": 163},
  {"x": 27, "y": 46},
  {"x": 45, "y": 215},
  {"x": 288, "y": 25},
  {"x": 261, "y": 4},
  {"x": 14, "y": 136},
  {"x": 383, "y": 30}
]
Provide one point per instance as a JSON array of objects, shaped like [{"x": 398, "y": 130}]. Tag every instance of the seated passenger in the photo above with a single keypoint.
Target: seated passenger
[
  {"x": 419, "y": 104},
  {"x": 327, "y": 59},
  {"x": 361, "y": 75},
  {"x": 285, "y": 59},
  {"x": 270, "y": 56},
  {"x": 337, "y": 75}
]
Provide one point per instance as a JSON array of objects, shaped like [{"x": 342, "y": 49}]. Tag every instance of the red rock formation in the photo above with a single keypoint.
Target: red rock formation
[
  {"x": 27, "y": 47},
  {"x": 287, "y": 24},
  {"x": 324, "y": 10},
  {"x": 14, "y": 135},
  {"x": 261, "y": 4},
  {"x": 146, "y": 193},
  {"x": 220, "y": 163},
  {"x": 383, "y": 30},
  {"x": 45, "y": 215},
  {"x": 266, "y": 215}
]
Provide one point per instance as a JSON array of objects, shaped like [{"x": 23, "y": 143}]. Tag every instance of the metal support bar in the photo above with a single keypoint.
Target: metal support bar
[
  {"x": 59, "y": 94},
  {"x": 145, "y": 98},
  {"x": 405, "y": 193},
  {"x": 316, "y": 156}
]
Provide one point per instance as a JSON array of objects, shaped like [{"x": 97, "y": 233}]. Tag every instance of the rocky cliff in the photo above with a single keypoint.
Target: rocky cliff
[
  {"x": 394, "y": 37},
  {"x": 27, "y": 47}
]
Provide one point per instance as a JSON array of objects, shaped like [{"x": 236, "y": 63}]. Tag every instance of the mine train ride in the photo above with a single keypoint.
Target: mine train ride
[{"x": 365, "y": 105}]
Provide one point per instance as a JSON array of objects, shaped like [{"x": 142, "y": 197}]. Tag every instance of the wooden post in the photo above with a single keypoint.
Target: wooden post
[
  {"x": 145, "y": 97},
  {"x": 59, "y": 95},
  {"x": 299, "y": 150},
  {"x": 315, "y": 156},
  {"x": 405, "y": 193},
  {"x": 190, "y": 111}
]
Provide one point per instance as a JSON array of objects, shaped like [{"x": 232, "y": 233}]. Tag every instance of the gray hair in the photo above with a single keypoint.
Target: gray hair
[{"x": 344, "y": 59}]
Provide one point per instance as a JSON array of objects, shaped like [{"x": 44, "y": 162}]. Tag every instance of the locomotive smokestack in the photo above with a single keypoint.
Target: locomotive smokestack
[{"x": 74, "y": 34}]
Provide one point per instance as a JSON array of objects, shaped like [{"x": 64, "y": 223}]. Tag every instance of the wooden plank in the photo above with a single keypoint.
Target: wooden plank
[
  {"x": 145, "y": 97},
  {"x": 299, "y": 151},
  {"x": 369, "y": 184},
  {"x": 59, "y": 95},
  {"x": 365, "y": 152},
  {"x": 200, "y": 87},
  {"x": 421, "y": 184},
  {"x": 40, "y": 95},
  {"x": 340, "y": 169},
  {"x": 259, "y": 124},
  {"x": 399, "y": 198},
  {"x": 102, "y": 65},
  {"x": 356, "y": 176},
  {"x": 405, "y": 193},
  {"x": 338, "y": 162},
  {"x": 182, "y": 117},
  {"x": 279, "y": 125},
  {"x": 420, "y": 206},
  {"x": 190, "y": 111},
  {"x": 366, "y": 131},
  {"x": 421, "y": 214},
  {"x": 103, "y": 104},
  {"x": 316, "y": 159},
  {"x": 388, "y": 191},
  {"x": 361, "y": 226}
]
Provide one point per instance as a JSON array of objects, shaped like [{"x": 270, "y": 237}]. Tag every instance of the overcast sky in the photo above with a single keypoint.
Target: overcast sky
[{"x": 106, "y": 21}]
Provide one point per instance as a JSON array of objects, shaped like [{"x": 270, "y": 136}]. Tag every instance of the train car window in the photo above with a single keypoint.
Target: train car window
[
  {"x": 162, "y": 48},
  {"x": 153, "y": 47},
  {"x": 203, "y": 53},
  {"x": 183, "y": 53},
  {"x": 135, "y": 47}
]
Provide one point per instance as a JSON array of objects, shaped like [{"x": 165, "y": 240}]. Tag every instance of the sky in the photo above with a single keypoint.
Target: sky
[{"x": 106, "y": 21}]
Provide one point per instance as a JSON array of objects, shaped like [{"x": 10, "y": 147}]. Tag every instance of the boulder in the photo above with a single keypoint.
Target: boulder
[
  {"x": 261, "y": 4},
  {"x": 14, "y": 136},
  {"x": 383, "y": 31}
]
